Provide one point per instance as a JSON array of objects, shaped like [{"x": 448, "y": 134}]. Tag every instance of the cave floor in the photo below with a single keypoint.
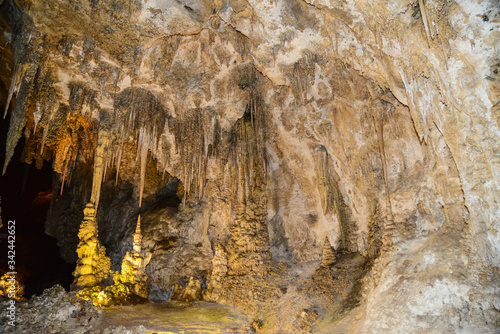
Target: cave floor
[{"x": 167, "y": 317}]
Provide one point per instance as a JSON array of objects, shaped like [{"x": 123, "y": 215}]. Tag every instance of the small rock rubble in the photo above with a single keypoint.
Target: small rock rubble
[{"x": 57, "y": 311}]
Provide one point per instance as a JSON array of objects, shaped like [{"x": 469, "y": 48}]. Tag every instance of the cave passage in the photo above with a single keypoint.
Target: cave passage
[{"x": 38, "y": 263}]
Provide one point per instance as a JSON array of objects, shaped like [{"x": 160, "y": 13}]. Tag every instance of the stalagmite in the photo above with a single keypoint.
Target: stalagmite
[
  {"x": 137, "y": 237},
  {"x": 93, "y": 266},
  {"x": 132, "y": 271},
  {"x": 219, "y": 270},
  {"x": 329, "y": 257}
]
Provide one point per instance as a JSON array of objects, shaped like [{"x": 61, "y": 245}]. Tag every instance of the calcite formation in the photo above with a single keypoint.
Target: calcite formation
[
  {"x": 133, "y": 266},
  {"x": 93, "y": 266},
  {"x": 254, "y": 137},
  {"x": 329, "y": 257},
  {"x": 219, "y": 271},
  {"x": 10, "y": 286},
  {"x": 192, "y": 292}
]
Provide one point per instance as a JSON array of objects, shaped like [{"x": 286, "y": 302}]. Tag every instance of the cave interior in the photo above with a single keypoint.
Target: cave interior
[{"x": 250, "y": 166}]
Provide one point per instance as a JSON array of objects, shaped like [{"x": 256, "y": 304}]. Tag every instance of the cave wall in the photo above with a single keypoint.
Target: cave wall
[{"x": 300, "y": 119}]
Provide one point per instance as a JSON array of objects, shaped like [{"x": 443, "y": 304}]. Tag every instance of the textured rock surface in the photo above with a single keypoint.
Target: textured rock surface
[
  {"x": 56, "y": 311},
  {"x": 52, "y": 312},
  {"x": 328, "y": 254},
  {"x": 246, "y": 133},
  {"x": 93, "y": 266}
]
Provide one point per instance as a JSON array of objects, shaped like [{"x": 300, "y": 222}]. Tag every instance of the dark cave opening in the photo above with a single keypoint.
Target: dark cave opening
[{"x": 25, "y": 197}]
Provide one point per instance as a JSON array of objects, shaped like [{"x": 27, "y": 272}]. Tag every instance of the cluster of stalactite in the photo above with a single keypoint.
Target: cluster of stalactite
[
  {"x": 248, "y": 246},
  {"x": 25, "y": 65},
  {"x": 246, "y": 252},
  {"x": 198, "y": 138},
  {"x": 63, "y": 132},
  {"x": 331, "y": 197},
  {"x": 77, "y": 130},
  {"x": 195, "y": 150}
]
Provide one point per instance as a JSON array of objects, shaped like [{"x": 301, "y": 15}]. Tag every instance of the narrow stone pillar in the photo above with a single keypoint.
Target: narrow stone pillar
[{"x": 93, "y": 266}]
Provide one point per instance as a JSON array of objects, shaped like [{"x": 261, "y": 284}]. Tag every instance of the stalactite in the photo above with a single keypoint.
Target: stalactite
[
  {"x": 423, "y": 11},
  {"x": 19, "y": 112},
  {"x": 106, "y": 166},
  {"x": 104, "y": 142},
  {"x": 118, "y": 163},
  {"x": 17, "y": 78},
  {"x": 332, "y": 198},
  {"x": 390, "y": 233},
  {"x": 323, "y": 182},
  {"x": 418, "y": 115},
  {"x": 144, "y": 149},
  {"x": 37, "y": 115}
]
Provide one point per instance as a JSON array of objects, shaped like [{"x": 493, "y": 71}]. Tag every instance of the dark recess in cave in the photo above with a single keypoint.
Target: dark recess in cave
[{"x": 38, "y": 263}]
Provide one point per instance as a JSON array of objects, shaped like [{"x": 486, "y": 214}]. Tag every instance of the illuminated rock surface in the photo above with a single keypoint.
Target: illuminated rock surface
[
  {"x": 165, "y": 317},
  {"x": 324, "y": 166}
]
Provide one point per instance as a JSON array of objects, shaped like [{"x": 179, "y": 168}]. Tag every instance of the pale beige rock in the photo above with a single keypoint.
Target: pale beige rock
[
  {"x": 329, "y": 257},
  {"x": 373, "y": 125}
]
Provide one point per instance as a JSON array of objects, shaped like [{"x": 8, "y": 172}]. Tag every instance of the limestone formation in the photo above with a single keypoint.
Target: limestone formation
[
  {"x": 219, "y": 271},
  {"x": 192, "y": 292},
  {"x": 93, "y": 266},
  {"x": 133, "y": 266},
  {"x": 333, "y": 160},
  {"x": 329, "y": 257},
  {"x": 53, "y": 311},
  {"x": 10, "y": 287}
]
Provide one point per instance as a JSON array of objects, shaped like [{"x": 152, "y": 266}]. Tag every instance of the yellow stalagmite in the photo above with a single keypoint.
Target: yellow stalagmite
[
  {"x": 93, "y": 265},
  {"x": 133, "y": 266}
]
